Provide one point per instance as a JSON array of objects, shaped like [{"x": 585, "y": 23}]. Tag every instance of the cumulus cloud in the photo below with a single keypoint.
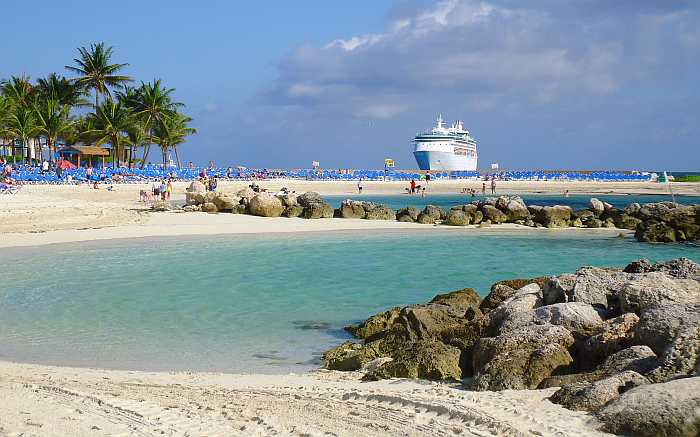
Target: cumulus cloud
[{"x": 489, "y": 54}]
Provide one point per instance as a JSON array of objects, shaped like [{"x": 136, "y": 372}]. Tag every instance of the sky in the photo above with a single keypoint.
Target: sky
[{"x": 556, "y": 84}]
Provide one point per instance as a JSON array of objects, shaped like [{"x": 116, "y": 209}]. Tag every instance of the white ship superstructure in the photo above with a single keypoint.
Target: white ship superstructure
[{"x": 448, "y": 149}]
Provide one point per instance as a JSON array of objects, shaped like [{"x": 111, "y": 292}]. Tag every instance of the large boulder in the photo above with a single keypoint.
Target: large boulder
[
  {"x": 608, "y": 338},
  {"x": 557, "y": 216},
  {"x": 681, "y": 268},
  {"x": 318, "y": 211},
  {"x": 656, "y": 288},
  {"x": 596, "y": 207},
  {"x": 494, "y": 214},
  {"x": 668, "y": 409},
  {"x": 659, "y": 326},
  {"x": 245, "y": 194},
  {"x": 520, "y": 359},
  {"x": 456, "y": 218},
  {"x": 376, "y": 211},
  {"x": 586, "y": 396},
  {"x": 434, "y": 212},
  {"x": 668, "y": 222},
  {"x": 408, "y": 214},
  {"x": 194, "y": 198},
  {"x": 579, "y": 318},
  {"x": 523, "y": 300},
  {"x": 514, "y": 208},
  {"x": 293, "y": 211},
  {"x": 424, "y": 359},
  {"x": 463, "y": 299},
  {"x": 503, "y": 290},
  {"x": 352, "y": 209},
  {"x": 209, "y": 207},
  {"x": 680, "y": 359},
  {"x": 597, "y": 286},
  {"x": 309, "y": 198},
  {"x": 265, "y": 205},
  {"x": 225, "y": 202},
  {"x": 288, "y": 200},
  {"x": 558, "y": 289},
  {"x": 196, "y": 187},
  {"x": 374, "y": 325},
  {"x": 349, "y": 356}
]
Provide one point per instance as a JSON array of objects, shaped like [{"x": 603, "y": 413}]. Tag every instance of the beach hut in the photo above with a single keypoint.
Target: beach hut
[{"x": 90, "y": 155}]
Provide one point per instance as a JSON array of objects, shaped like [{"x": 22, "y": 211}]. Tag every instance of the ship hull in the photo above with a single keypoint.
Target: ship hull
[{"x": 444, "y": 161}]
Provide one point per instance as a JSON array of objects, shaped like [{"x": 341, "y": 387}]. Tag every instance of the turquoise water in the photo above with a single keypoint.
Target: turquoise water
[
  {"x": 576, "y": 201},
  {"x": 265, "y": 304}
]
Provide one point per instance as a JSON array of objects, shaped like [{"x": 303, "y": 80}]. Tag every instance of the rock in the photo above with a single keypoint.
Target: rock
[
  {"x": 288, "y": 200},
  {"x": 293, "y": 211},
  {"x": 659, "y": 326},
  {"x": 196, "y": 187},
  {"x": 209, "y": 207},
  {"x": 502, "y": 290},
  {"x": 598, "y": 286},
  {"x": 524, "y": 299},
  {"x": 239, "y": 209},
  {"x": 557, "y": 216},
  {"x": 425, "y": 219},
  {"x": 494, "y": 214},
  {"x": 668, "y": 409},
  {"x": 192, "y": 208},
  {"x": 352, "y": 209},
  {"x": 596, "y": 207},
  {"x": 456, "y": 218},
  {"x": 265, "y": 205},
  {"x": 160, "y": 206},
  {"x": 375, "y": 211},
  {"x": 424, "y": 359},
  {"x": 656, "y": 288},
  {"x": 246, "y": 194},
  {"x": 680, "y": 359},
  {"x": 348, "y": 356},
  {"x": 225, "y": 203},
  {"x": 641, "y": 266},
  {"x": 610, "y": 337},
  {"x": 375, "y": 325},
  {"x": 427, "y": 321},
  {"x": 667, "y": 222},
  {"x": 194, "y": 198},
  {"x": 435, "y": 212},
  {"x": 625, "y": 221},
  {"x": 579, "y": 318},
  {"x": 459, "y": 300},
  {"x": 558, "y": 289},
  {"x": 317, "y": 211},
  {"x": 593, "y": 396},
  {"x": 477, "y": 217},
  {"x": 408, "y": 214},
  {"x": 309, "y": 198},
  {"x": 514, "y": 208},
  {"x": 520, "y": 359},
  {"x": 640, "y": 359},
  {"x": 681, "y": 268}
]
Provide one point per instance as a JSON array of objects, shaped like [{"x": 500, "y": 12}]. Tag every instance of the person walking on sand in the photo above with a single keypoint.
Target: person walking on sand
[
  {"x": 169, "y": 189},
  {"x": 163, "y": 189},
  {"x": 493, "y": 185},
  {"x": 359, "y": 186},
  {"x": 483, "y": 189},
  {"x": 413, "y": 186}
]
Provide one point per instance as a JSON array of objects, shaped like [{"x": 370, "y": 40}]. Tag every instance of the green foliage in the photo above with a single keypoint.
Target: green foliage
[{"x": 687, "y": 178}]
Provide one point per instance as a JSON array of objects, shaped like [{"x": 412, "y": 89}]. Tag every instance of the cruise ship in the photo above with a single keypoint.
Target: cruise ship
[{"x": 447, "y": 149}]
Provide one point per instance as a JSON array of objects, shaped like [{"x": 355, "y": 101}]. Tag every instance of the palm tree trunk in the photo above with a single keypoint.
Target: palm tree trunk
[
  {"x": 177, "y": 157},
  {"x": 146, "y": 149}
]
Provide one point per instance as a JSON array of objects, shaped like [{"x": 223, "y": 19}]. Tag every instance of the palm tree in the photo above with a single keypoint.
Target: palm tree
[
  {"x": 111, "y": 124},
  {"x": 19, "y": 90},
  {"x": 171, "y": 132},
  {"x": 95, "y": 72},
  {"x": 153, "y": 105},
  {"x": 53, "y": 120},
  {"x": 23, "y": 125},
  {"x": 60, "y": 89},
  {"x": 5, "y": 112}
]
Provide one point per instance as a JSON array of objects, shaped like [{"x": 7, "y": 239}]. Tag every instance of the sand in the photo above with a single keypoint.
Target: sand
[
  {"x": 62, "y": 401},
  {"x": 56, "y": 401}
]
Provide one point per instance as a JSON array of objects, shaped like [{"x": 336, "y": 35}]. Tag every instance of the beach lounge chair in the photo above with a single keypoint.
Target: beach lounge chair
[{"x": 9, "y": 189}]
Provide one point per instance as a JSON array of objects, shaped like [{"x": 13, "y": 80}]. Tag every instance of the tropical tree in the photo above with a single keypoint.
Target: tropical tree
[
  {"x": 19, "y": 90},
  {"x": 111, "y": 124},
  {"x": 153, "y": 104},
  {"x": 170, "y": 132},
  {"x": 96, "y": 72},
  {"x": 23, "y": 125},
  {"x": 61, "y": 90},
  {"x": 53, "y": 120}
]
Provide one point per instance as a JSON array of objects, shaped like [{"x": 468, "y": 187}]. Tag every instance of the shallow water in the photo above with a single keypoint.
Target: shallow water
[
  {"x": 575, "y": 201},
  {"x": 266, "y": 304}
]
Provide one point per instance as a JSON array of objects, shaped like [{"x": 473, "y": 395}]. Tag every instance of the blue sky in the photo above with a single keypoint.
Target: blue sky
[{"x": 540, "y": 83}]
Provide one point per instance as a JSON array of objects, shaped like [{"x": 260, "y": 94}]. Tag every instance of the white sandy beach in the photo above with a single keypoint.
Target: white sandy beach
[
  {"x": 62, "y": 401},
  {"x": 49, "y": 401}
]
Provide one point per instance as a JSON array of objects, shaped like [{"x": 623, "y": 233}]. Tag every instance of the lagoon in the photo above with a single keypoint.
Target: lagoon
[{"x": 258, "y": 304}]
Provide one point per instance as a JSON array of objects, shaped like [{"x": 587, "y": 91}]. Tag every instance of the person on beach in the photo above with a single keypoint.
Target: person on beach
[
  {"x": 359, "y": 186},
  {"x": 483, "y": 189},
  {"x": 88, "y": 173},
  {"x": 422, "y": 192},
  {"x": 169, "y": 189},
  {"x": 413, "y": 186},
  {"x": 156, "y": 190},
  {"x": 566, "y": 193},
  {"x": 213, "y": 182},
  {"x": 162, "y": 189},
  {"x": 493, "y": 185}
]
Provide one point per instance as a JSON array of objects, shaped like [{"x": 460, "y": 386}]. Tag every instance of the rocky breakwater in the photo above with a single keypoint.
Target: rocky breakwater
[
  {"x": 246, "y": 201},
  {"x": 622, "y": 344}
]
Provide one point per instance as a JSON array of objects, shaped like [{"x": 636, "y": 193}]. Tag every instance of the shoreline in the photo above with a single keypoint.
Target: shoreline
[
  {"x": 176, "y": 224},
  {"x": 49, "y": 400}
]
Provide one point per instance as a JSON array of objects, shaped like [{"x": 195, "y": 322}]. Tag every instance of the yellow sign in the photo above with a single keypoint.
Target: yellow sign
[{"x": 388, "y": 162}]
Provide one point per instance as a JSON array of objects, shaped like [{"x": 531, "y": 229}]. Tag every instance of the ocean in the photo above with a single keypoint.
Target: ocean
[{"x": 259, "y": 304}]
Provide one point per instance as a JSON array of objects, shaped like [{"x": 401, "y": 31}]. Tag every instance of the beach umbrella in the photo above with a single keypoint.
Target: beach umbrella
[{"x": 66, "y": 165}]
